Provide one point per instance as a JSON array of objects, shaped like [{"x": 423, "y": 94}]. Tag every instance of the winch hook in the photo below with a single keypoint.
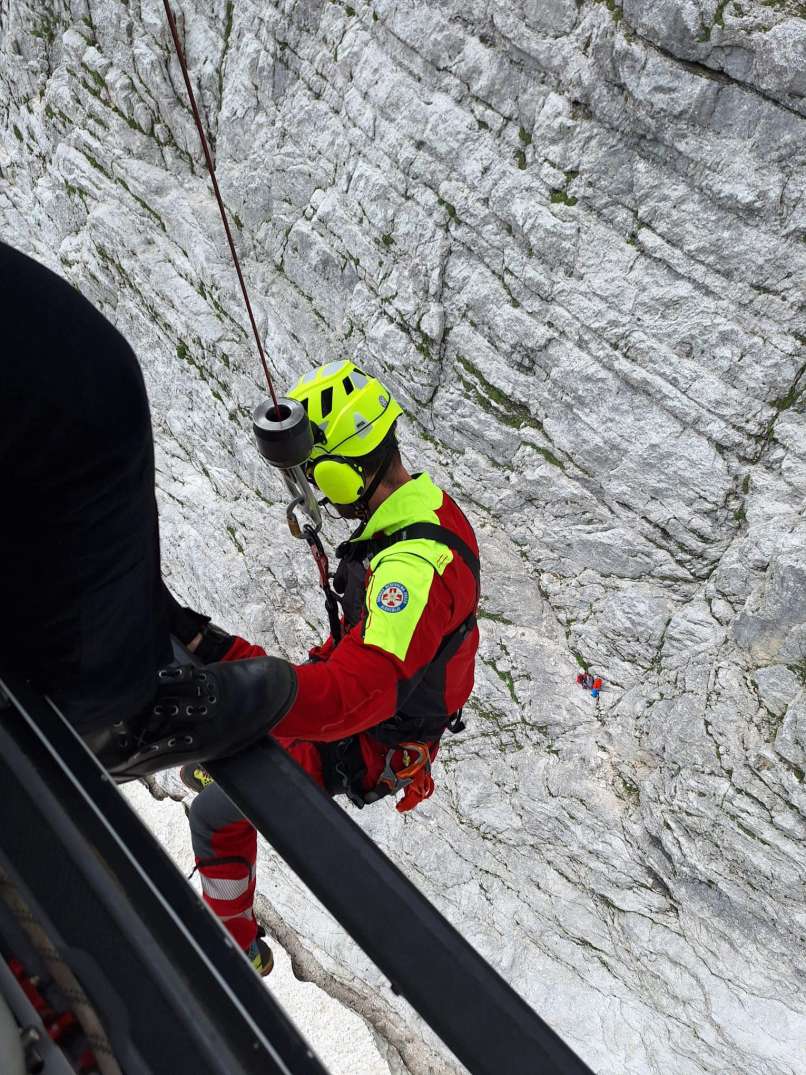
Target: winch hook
[{"x": 284, "y": 438}]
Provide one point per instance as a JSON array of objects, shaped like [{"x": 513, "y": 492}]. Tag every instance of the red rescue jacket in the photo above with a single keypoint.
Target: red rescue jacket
[{"x": 391, "y": 666}]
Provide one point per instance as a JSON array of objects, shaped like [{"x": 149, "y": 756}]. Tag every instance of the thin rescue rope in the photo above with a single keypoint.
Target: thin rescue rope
[
  {"x": 59, "y": 970},
  {"x": 174, "y": 33}
]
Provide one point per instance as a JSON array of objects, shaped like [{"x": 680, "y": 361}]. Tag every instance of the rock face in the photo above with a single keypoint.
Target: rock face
[{"x": 570, "y": 235}]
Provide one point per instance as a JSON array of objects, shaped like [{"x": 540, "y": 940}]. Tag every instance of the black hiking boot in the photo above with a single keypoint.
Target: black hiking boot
[{"x": 199, "y": 713}]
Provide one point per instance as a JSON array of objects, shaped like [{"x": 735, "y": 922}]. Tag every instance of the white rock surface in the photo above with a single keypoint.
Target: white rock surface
[{"x": 570, "y": 235}]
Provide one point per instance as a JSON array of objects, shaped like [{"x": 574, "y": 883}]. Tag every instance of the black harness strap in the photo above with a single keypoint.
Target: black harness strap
[
  {"x": 342, "y": 762},
  {"x": 401, "y": 726},
  {"x": 433, "y": 532},
  {"x": 368, "y": 548},
  {"x": 343, "y": 769}
]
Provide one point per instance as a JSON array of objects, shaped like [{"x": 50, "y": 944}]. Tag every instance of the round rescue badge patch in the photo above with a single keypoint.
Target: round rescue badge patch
[{"x": 393, "y": 597}]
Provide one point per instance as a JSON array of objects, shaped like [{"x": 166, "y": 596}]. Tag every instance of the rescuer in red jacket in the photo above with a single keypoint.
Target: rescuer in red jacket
[{"x": 370, "y": 710}]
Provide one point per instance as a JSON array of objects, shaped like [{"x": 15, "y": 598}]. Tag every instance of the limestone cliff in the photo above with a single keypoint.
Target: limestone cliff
[{"x": 570, "y": 235}]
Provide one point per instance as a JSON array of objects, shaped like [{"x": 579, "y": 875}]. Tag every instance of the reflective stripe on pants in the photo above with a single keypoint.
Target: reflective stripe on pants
[{"x": 225, "y": 846}]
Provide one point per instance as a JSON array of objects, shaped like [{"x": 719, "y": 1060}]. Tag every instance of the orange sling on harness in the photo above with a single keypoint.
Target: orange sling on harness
[{"x": 414, "y": 776}]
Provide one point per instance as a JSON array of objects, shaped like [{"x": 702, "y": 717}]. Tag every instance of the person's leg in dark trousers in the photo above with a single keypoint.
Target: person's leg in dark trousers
[
  {"x": 83, "y": 610},
  {"x": 81, "y": 603}
]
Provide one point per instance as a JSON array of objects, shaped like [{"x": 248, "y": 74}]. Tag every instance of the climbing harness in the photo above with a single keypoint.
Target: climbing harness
[
  {"x": 413, "y": 733},
  {"x": 416, "y": 758},
  {"x": 344, "y": 770}
]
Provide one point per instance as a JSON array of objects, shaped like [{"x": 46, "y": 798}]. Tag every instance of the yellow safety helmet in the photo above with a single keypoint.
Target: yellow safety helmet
[{"x": 351, "y": 414}]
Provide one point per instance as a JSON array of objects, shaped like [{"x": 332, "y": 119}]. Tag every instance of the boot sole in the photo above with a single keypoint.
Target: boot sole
[{"x": 190, "y": 783}]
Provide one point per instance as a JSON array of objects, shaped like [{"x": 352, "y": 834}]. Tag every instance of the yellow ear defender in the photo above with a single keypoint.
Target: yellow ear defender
[{"x": 340, "y": 481}]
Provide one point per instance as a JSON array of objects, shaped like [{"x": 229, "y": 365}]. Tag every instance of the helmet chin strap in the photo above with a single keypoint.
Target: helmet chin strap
[{"x": 360, "y": 508}]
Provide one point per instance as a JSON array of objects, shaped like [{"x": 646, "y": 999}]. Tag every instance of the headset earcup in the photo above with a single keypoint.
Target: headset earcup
[{"x": 340, "y": 482}]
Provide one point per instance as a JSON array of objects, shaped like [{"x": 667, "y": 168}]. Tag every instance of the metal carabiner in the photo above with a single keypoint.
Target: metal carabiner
[
  {"x": 304, "y": 499},
  {"x": 416, "y": 756}
]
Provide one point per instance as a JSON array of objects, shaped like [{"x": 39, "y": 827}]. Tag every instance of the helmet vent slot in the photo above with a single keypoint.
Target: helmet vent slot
[
  {"x": 327, "y": 402},
  {"x": 348, "y": 385}
]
